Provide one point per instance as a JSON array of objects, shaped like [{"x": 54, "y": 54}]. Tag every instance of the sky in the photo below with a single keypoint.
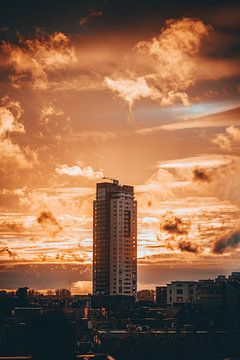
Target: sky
[{"x": 146, "y": 92}]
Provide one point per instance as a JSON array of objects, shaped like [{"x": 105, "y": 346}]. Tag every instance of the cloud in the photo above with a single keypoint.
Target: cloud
[
  {"x": 92, "y": 14},
  {"x": 93, "y": 135},
  {"x": 10, "y": 116},
  {"x": 201, "y": 175},
  {"x": 173, "y": 66},
  {"x": 226, "y": 140},
  {"x": 33, "y": 60},
  {"x": 14, "y": 226},
  {"x": 227, "y": 242},
  {"x": 48, "y": 111},
  {"x": 47, "y": 218},
  {"x": 81, "y": 287},
  {"x": 188, "y": 247},
  {"x": 131, "y": 89},
  {"x": 207, "y": 161},
  {"x": 174, "y": 225},
  {"x": 219, "y": 119},
  {"x": 76, "y": 170},
  {"x": 6, "y": 251}
]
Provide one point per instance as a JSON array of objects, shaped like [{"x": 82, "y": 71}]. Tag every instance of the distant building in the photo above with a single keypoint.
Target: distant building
[
  {"x": 22, "y": 294},
  {"x": 179, "y": 292},
  {"x": 63, "y": 293},
  {"x": 209, "y": 290},
  {"x": 232, "y": 304},
  {"x": 114, "y": 240},
  {"x": 161, "y": 295},
  {"x": 235, "y": 276},
  {"x": 145, "y": 295}
]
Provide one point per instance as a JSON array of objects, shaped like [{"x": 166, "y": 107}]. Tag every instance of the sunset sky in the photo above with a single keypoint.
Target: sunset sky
[{"x": 146, "y": 92}]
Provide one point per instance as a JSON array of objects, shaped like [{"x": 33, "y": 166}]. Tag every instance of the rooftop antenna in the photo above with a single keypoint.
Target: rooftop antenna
[{"x": 114, "y": 181}]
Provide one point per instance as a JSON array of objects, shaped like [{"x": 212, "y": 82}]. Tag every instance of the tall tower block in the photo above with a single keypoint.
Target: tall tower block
[{"x": 114, "y": 240}]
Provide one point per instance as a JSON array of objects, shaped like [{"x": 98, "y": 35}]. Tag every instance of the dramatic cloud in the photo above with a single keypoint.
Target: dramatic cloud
[
  {"x": 47, "y": 218},
  {"x": 172, "y": 58},
  {"x": 227, "y": 242},
  {"x": 76, "y": 170},
  {"x": 33, "y": 60},
  {"x": 10, "y": 123},
  {"x": 174, "y": 225},
  {"x": 10, "y": 115},
  {"x": 201, "y": 175},
  {"x": 226, "y": 140},
  {"x": 131, "y": 89},
  {"x": 188, "y": 247}
]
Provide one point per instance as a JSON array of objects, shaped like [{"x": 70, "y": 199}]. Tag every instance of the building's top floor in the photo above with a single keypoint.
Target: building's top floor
[{"x": 115, "y": 187}]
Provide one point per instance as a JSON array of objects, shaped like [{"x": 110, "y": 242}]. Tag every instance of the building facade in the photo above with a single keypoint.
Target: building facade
[
  {"x": 161, "y": 295},
  {"x": 114, "y": 240},
  {"x": 179, "y": 292}
]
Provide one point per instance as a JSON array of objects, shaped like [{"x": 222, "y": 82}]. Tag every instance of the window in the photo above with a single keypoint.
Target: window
[{"x": 179, "y": 291}]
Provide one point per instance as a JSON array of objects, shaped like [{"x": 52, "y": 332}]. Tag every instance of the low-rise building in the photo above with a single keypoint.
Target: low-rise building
[{"x": 180, "y": 292}]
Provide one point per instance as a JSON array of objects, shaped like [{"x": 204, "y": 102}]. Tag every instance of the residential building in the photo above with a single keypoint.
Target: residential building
[{"x": 114, "y": 240}]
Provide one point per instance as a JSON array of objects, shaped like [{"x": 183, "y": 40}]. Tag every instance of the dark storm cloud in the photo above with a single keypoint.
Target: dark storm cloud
[
  {"x": 201, "y": 175},
  {"x": 227, "y": 242},
  {"x": 188, "y": 247},
  {"x": 174, "y": 225}
]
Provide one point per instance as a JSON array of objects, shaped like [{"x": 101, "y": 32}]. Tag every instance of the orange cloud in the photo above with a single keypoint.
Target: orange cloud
[
  {"x": 47, "y": 218},
  {"x": 76, "y": 170},
  {"x": 34, "y": 59},
  {"x": 6, "y": 251},
  {"x": 48, "y": 111},
  {"x": 219, "y": 119},
  {"x": 174, "y": 225},
  {"x": 226, "y": 140},
  {"x": 131, "y": 89},
  {"x": 172, "y": 58},
  {"x": 10, "y": 116},
  {"x": 201, "y": 175},
  {"x": 187, "y": 246}
]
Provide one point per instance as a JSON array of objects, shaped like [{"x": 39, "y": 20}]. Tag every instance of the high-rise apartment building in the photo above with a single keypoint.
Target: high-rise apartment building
[{"x": 114, "y": 240}]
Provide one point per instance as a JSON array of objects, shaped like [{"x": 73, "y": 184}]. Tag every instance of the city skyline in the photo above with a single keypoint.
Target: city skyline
[{"x": 147, "y": 93}]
